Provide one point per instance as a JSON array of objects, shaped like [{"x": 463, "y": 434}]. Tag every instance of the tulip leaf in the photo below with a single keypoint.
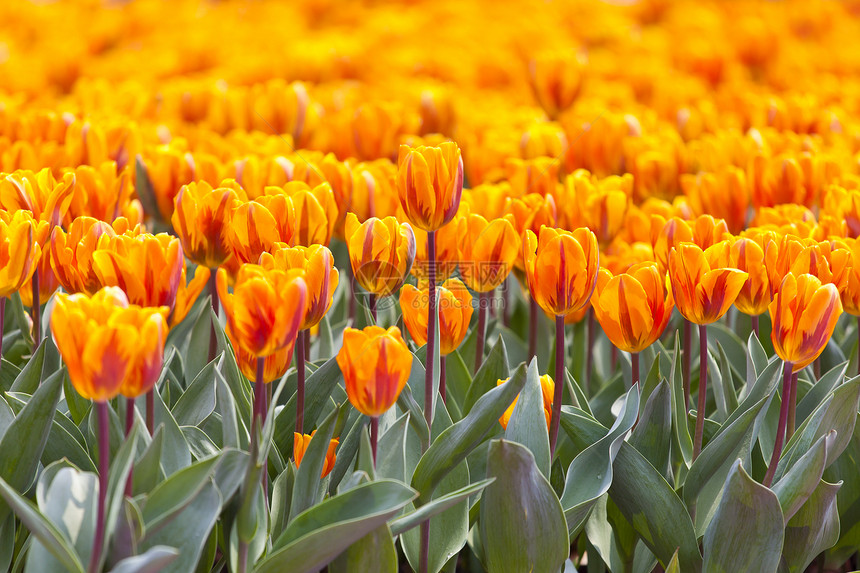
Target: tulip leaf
[
  {"x": 455, "y": 443},
  {"x": 733, "y": 346},
  {"x": 814, "y": 528},
  {"x": 839, "y": 413},
  {"x": 673, "y": 566},
  {"x": 196, "y": 355},
  {"x": 615, "y": 539},
  {"x": 23, "y": 442},
  {"x": 227, "y": 409},
  {"x": 764, "y": 386},
  {"x": 802, "y": 479},
  {"x": 653, "y": 433},
  {"x": 347, "y": 448},
  {"x": 590, "y": 473},
  {"x": 391, "y": 462},
  {"x": 253, "y": 530},
  {"x": 757, "y": 359},
  {"x": 306, "y": 490},
  {"x": 819, "y": 391},
  {"x": 683, "y": 440},
  {"x": 176, "y": 492},
  {"x": 31, "y": 375},
  {"x": 153, "y": 560},
  {"x": 459, "y": 378},
  {"x": 282, "y": 496},
  {"x": 176, "y": 454},
  {"x": 41, "y": 528},
  {"x": 315, "y": 537},
  {"x": 62, "y": 443},
  {"x": 527, "y": 425},
  {"x": 236, "y": 382},
  {"x": 436, "y": 506},
  {"x": 525, "y": 531},
  {"x": 147, "y": 471},
  {"x": 746, "y": 533},
  {"x": 494, "y": 368},
  {"x": 187, "y": 531},
  {"x": 417, "y": 421},
  {"x": 120, "y": 467},
  {"x": 708, "y": 473},
  {"x": 373, "y": 552},
  {"x": 197, "y": 402}
]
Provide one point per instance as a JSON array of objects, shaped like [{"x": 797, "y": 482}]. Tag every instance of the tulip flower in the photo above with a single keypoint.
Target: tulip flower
[
  {"x": 429, "y": 183},
  {"x": 455, "y": 312},
  {"x": 561, "y": 271},
  {"x": 109, "y": 347},
  {"x": 316, "y": 212},
  {"x": 703, "y": 292},
  {"x": 724, "y": 195},
  {"x": 447, "y": 252},
  {"x": 104, "y": 192},
  {"x": 373, "y": 191},
  {"x": 547, "y": 387},
  {"x": 168, "y": 168},
  {"x": 556, "y": 80},
  {"x": 275, "y": 365},
  {"x": 531, "y": 212},
  {"x": 804, "y": 313},
  {"x": 258, "y": 225},
  {"x": 375, "y": 363},
  {"x": 72, "y": 254},
  {"x": 202, "y": 219},
  {"x": 300, "y": 446},
  {"x": 532, "y": 175},
  {"x": 381, "y": 253},
  {"x": 543, "y": 139},
  {"x": 633, "y": 308},
  {"x": 321, "y": 279},
  {"x": 778, "y": 180},
  {"x": 20, "y": 252},
  {"x": 827, "y": 261}
]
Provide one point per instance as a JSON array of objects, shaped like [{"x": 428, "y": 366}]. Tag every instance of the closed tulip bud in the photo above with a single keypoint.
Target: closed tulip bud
[
  {"x": 300, "y": 446},
  {"x": 556, "y": 80},
  {"x": 104, "y": 193},
  {"x": 603, "y": 211},
  {"x": 488, "y": 200},
  {"x": 532, "y": 175},
  {"x": 19, "y": 249},
  {"x": 316, "y": 212},
  {"x": 375, "y": 363},
  {"x": 723, "y": 194},
  {"x": 72, "y": 254},
  {"x": 455, "y": 312},
  {"x": 779, "y": 180},
  {"x": 168, "y": 169},
  {"x": 702, "y": 289},
  {"x": 275, "y": 365},
  {"x": 447, "y": 252},
  {"x": 843, "y": 204},
  {"x": 531, "y": 212},
  {"x": 258, "y": 225},
  {"x": 40, "y": 193},
  {"x": 561, "y": 268},
  {"x": 381, "y": 252},
  {"x": 850, "y": 294},
  {"x": 150, "y": 269},
  {"x": 109, "y": 346},
  {"x": 543, "y": 139},
  {"x": 374, "y": 192},
  {"x": 547, "y": 387},
  {"x": 429, "y": 183},
  {"x": 488, "y": 250},
  {"x": 804, "y": 313},
  {"x": 375, "y": 129},
  {"x": 828, "y": 261},
  {"x": 437, "y": 111},
  {"x": 321, "y": 277},
  {"x": 265, "y": 309},
  {"x": 202, "y": 219},
  {"x": 634, "y": 307},
  {"x": 704, "y": 231},
  {"x": 747, "y": 254},
  {"x": 339, "y": 175}
]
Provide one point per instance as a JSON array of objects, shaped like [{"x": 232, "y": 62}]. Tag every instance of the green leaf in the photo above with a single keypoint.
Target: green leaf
[
  {"x": 757, "y": 359},
  {"x": 494, "y": 368},
  {"x": 820, "y": 390},
  {"x": 31, "y": 375},
  {"x": 802, "y": 479},
  {"x": 590, "y": 473},
  {"x": 525, "y": 531},
  {"x": 814, "y": 528},
  {"x": 459, "y": 378},
  {"x": 117, "y": 477},
  {"x": 24, "y": 440},
  {"x": 145, "y": 191},
  {"x": 373, "y": 552},
  {"x": 391, "y": 461},
  {"x": 196, "y": 354},
  {"x": 282, "y": 495},
  {"x": 198, "y": 400},
  {"x": 227, "y": 409},
  {"x": 175, "y": 453},
  {"x": 417, "y": 421},
  {"x": 176, "y": 492},
  {"x": 731, "y": 344},
  {"x": 306, "y": 490},
  {"x": 653, "y": 434},
  {"x": 683, "y": 440},
  {"x": 746, "y": 533},
  {"x": 527, "y": 425},
  {"x": 436, "y": 506},
  {"x": 148, "y": 472},
  {"x": 314, "y": 538},
  {"x": 673, "y": 566},
  {"x": 41, "y": 528},
  {"x": 152, "y": 561},
  {"x": 455, "y": 443}
]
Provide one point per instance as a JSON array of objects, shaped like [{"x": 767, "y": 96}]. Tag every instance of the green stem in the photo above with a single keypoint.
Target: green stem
[
  {"x": 703, "y": 390},
  {"x": 104, "y": 467},
  {"x": 780, "y": 430},
  {"x": 559, "y": 384}
]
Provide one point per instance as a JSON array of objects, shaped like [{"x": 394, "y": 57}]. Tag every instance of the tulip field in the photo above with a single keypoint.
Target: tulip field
[{"x": 459, "y": 286}]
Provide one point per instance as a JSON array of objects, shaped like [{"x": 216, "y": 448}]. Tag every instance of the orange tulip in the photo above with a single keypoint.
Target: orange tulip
[
  {"x": 850, "y": 294},
  {"x": 72, "y": 254},
  {"x": 723, "y": 194},
  {"x": 488, "y": 200},
  {"x": 19, "y": 251},
  {"x": 109, "y": 346},
  {"x": 778, "y": 180},
  {"x": 321, "y": 277},
  {"x": 634, "y": 307},
  {"x": 704, "y": 231},
  {"x": 532, "y": 175},
  {"x": 274, "y": 365},
  {"x": 375, "y": 364},
  {"x": 547, "y": 387},
  {"x": 373, "y": 190},
  {"x": 829, "y": 262},
  {"x": 40, "y": 193},
  {"x": 487, "y": 250},
  {"x": 703, "y": 290},
  {"x": 300, "y": 446},
  {"x": 556, "y": 80},
  {"x": 543, "y": 139},
  {"x": 599, "y": 205},
  {"x": 104, "y": 193},
  {"x": 316, "y": 212},
  {"x": 265, "y": 309},
  {"x": 804, "y": 314},
  {"x": 202, "y": 219},
  {"x": 168, "y": 169},
  {"x": 381, "y": 252},
  {"x": 447, "y": 252},
  {"x": 455, "y": 312},
  {"x": 747, "y": 254},
  {"x": 259, "y": 224},
  {"x": 561, "y": 268},
  {"x": 150, "y": 269},
  {"x": 429, "y": 183}
]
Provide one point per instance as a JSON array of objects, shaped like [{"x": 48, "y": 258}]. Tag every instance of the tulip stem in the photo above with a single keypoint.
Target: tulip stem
[
  {"x": 792, "y": 407},
  {"x": 351, "y": 310},
  {"x": 755, "y": 327},
  {"x": 104, "y": 467},
  {"x": 559, "y": 384},
  {"x": 307, "y": 345},
  {"x": 2, "y": 322},
  {"x": 431, "y": 329},
  {"x": 150, "y": 411},
  {"x": 259, "y": 418},
  {"x": 589, "y": 349},
  {"x": 213, "y": 297},
  {"x": 634, "y": 369},
  {"x": 35, "y": 312},
  {"x": 374, "y": 437},
  {"x": 780, "y": 430},
  {"x": 703, "y": 390},
  {"x": 300, "y": 390},
  {"x": 482, "y": 327},
  {"x": 533, "y": 328},
  {"x": 129, "y": 422},
  {"x": 816, "y": 368},
  {"x": 506, "y": 301},
  {"x": 443, "y": 391},
  {"x": 371, "y": 304},
  {"x": 424, "y": 556},
  {"x": 685, "y": 365}
]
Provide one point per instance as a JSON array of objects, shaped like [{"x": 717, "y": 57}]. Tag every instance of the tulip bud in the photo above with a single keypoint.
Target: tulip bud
[
  {"x": 455, "y": 312},
  {"x": 429, "y": 183}
]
